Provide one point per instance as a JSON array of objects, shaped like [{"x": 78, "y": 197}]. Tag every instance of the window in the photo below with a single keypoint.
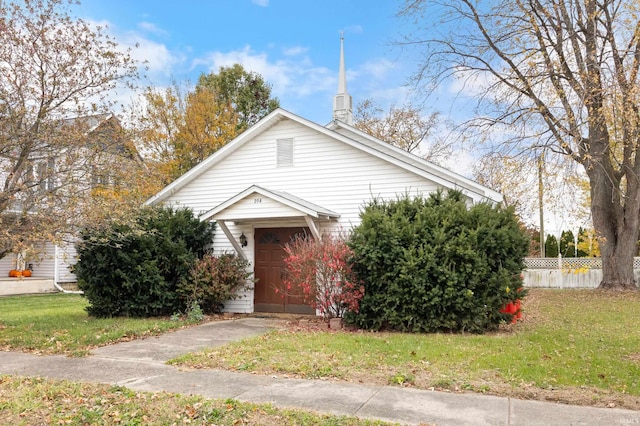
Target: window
[
  {"x": 99, "y": 178},
  {"x": 46, "y": 174},
  {"x": 284, "y": 153}
]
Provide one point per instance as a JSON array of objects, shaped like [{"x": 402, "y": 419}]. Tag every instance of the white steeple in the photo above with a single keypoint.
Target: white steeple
[{"x": 342, "y": 103}]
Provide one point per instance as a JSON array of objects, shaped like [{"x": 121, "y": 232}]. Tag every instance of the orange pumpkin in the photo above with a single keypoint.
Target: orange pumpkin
[
  {"x": 26, "y": 273},
  {"x": 13, "y": 273}
]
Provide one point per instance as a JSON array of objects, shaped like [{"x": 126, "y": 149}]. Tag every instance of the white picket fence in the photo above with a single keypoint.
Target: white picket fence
[{"x": 568, "y": 272}]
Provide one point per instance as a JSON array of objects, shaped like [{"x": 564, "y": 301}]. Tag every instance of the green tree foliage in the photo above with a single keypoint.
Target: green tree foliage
[
  {"x": 134, "y": 269},
  {"x": 246, "y": 91},
  {"x": 551, "y": 246},
  {"x": 567, "y": 244},
  {"x": 434, "y": 264}
]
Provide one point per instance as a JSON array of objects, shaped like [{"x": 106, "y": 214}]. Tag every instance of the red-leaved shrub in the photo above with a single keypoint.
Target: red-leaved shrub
[{"x": 322, "y": 271}]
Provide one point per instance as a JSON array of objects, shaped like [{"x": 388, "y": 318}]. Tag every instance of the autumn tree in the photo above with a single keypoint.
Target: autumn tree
[
  {"x": 155, "y": 122},
  {"x": 246, "y": 91},
  {"x": 514, "y": 178},
  {"x": 587, "y": 243},
  {"x": 207, "y": 126},
  {"x": 177, "y": 128},
  {"x": 54, "y": 69},
  {"x": 518, "y": 179},
  {"x": 557, "y": 75},
  {"x": 406, "y": 127}
]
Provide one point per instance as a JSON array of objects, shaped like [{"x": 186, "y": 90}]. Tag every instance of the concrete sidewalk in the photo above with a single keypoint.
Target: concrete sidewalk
[{"x": 139, "y": 365}]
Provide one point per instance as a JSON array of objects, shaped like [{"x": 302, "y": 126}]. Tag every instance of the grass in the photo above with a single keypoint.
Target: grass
[
  {"x": 28, "y": 401},
  {"x": 58, "y": 323},
  {"x": 573, "y": 346}
]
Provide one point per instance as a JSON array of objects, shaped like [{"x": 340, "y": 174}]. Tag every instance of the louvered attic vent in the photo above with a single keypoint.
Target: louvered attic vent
[{"x": 284, "y": 152}]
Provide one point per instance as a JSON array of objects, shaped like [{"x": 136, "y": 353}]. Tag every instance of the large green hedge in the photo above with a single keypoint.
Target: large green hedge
[
  {"x": 435, "y": 264},
  {"x": 134, "y": 269}
]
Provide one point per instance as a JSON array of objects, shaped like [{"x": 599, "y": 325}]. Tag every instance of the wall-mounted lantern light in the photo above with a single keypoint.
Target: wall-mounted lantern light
[{"x": 243, "y": 240}]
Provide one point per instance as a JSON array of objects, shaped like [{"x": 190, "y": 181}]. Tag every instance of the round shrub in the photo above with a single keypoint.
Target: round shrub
[
  {"x": 433, "y": 264},
  {"x": 214, "y": 280},
  {"x": 133, "y": 269}
]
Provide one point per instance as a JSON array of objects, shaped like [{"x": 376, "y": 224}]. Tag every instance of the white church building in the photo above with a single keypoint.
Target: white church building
[{"x": 287, "y": 175}]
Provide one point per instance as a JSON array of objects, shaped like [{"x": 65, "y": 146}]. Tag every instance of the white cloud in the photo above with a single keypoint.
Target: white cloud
[
  {"x": 290, "y": 77},
  {"x": 160, "y": 61},
  {"x": 261, "y": 3},
  {"x": 378, "y": 69},
  {"x": 294, "y": 51},
  {"x": 152, "y": 28},
  {"x": 461, "y": 162},
  {"x": 353, "y": 29}
]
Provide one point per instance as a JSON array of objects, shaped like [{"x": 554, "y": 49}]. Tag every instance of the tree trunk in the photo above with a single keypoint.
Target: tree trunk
[
  {"x": 617, "y": 251},
  {"x": 615, "y": 219}
]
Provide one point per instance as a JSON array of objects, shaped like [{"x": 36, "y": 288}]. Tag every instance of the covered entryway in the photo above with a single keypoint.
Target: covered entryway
[
  {"x": 270, "y": 294},
  {"x": 273, "y": 218}
]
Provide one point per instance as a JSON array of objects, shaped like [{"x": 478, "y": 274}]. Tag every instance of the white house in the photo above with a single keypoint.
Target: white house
[
  {"x": 104, "y": 152},
  {"x": 287, "y": 175}
]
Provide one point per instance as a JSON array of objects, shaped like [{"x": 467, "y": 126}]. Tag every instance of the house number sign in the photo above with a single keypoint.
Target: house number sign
[{"x": 257, "y": 200}]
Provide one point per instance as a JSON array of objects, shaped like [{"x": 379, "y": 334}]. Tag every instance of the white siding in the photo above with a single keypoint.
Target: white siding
[
  {"x": 67, "y": 256},
  {"x": 7, "y": 263},
  {"x": 326, "y": 172},
  {"x": 256, "y": 206},
  {"x": 44, "y": 262},
  {"x": 44, "y": 265}
]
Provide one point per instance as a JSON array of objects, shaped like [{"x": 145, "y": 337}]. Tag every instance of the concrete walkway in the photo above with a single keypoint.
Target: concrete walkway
[{"x": 139, "y": 365}]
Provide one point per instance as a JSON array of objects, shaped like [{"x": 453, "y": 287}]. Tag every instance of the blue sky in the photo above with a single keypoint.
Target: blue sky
[{"x": 293, "y": 44}]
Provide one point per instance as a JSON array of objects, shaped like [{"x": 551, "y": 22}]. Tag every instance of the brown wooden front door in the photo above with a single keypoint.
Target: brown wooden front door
[{"x": 269, "y": 272}]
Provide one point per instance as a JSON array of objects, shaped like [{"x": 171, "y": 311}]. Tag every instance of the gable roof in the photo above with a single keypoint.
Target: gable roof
[
  {"x": 364, "y": 142},
  {"x": 284, "y": 198},
  {"x": 88, "y": 122},
  {"x": 105, "y": 132}
]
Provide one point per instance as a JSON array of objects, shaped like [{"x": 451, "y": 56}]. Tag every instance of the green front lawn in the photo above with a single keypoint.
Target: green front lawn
[
  {"x": 574, "y": 346},
  {"x": 580, "y": 347},
  {"x": 58, "y": 323}
]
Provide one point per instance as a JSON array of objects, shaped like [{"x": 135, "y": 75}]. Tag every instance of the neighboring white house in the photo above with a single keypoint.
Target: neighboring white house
[
  {"x": 106, "y": 145},
  {"x": 287, "y": 175}
]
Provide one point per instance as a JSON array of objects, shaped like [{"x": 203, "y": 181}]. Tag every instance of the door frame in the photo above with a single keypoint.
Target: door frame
[{"x": 288, "y": 304}]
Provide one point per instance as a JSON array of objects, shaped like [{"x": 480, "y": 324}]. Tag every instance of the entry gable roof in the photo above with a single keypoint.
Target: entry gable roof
[
  {"x": 297, "y": 204},
  {"x": 364, "y": 142}
]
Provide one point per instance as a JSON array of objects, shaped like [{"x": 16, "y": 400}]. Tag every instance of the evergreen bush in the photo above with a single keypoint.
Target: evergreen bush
[
  {"x": 434, "y": 264},
  {"x": 567, "y": 244},
  {"x": 551, "y": 248},
  {"x": 133, "y": 269}
]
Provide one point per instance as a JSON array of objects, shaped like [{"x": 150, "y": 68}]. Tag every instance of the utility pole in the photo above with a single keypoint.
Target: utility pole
[{"x": 541, "y": 202}]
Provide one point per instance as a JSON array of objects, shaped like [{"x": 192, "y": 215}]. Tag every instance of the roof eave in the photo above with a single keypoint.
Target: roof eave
[{"x": 200, "y": 168}]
